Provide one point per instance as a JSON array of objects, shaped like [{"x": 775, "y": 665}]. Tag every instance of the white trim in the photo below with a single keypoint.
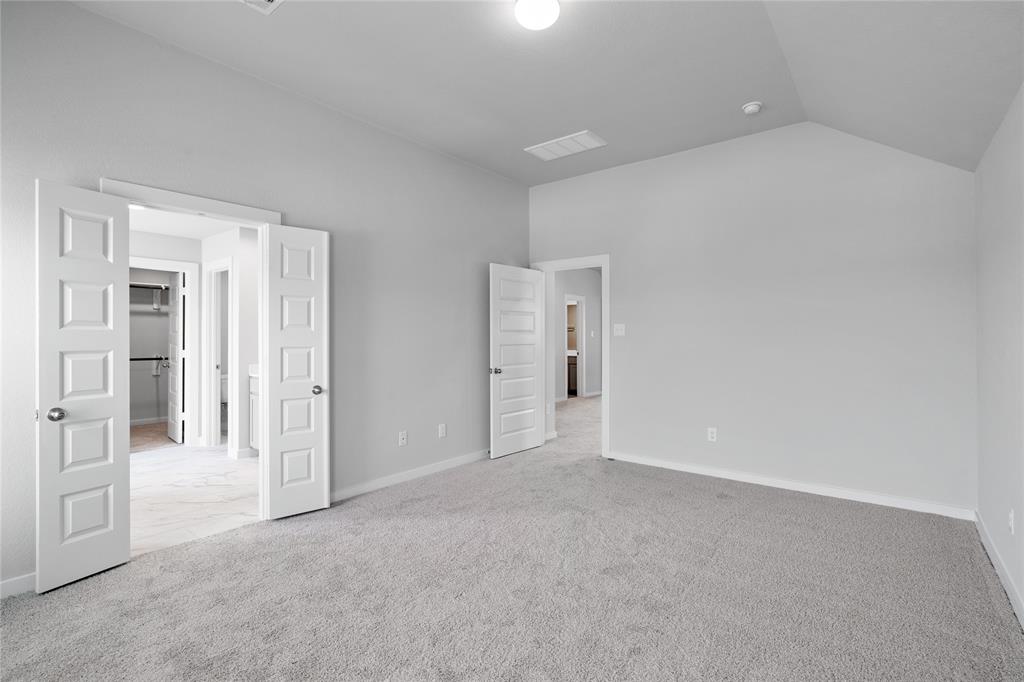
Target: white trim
[
  {"x": 211, "y": 382},
  {"x": 17, "y": 585},
  {"x": 1012, "y": 591},
  {"x": 403, "y": 476},
  {"x": 590, "y": 394},
  {"x": 148, "y": 420},
  {"x": 604, "y": 263},
  {"x": 155, "y": 197},
  {"x": 243, "y": 453},
  {"x": 193, "y": 348},
  {"x": 551, "y": 435},
  {"x": 824, "y": 489}
]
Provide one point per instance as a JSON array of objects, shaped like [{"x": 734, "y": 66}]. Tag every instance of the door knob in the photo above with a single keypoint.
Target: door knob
[
  {"x": 56, "y": 414},
  {"x": 497, "y": 370},
  {"x": 317, "y": 390}
]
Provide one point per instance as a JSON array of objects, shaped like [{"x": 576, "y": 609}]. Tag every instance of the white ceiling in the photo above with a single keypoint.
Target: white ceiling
[
  {"x": 651, "y": 78},
  {"x": 185, "y": 225}
]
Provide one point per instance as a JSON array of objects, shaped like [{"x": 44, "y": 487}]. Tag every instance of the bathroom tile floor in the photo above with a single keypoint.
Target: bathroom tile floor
[{"x": 180, "y": 494}]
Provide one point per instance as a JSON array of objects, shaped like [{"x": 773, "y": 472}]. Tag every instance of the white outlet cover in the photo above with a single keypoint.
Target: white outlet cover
[
  {"x": 712, "y": 434},
  {"x": 618, "y": 330},
  {"x": 442, "y": 430},
  {"x": 403, "y": 438}
]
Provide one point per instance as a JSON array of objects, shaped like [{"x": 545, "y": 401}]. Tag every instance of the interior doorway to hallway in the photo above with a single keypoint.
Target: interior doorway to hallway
[{"x": 577, "y": 351}]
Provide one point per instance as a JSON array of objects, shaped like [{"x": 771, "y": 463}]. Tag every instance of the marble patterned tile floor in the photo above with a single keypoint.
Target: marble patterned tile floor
[{"x": 180, "y": 494}]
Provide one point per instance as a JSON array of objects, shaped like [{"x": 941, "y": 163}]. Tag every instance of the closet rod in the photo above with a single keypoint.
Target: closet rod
[
  {"x": 143, "y": 285},
  {"x": 155, "y": 357}
]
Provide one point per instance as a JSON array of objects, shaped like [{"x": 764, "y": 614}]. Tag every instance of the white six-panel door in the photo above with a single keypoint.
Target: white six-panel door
[
  {"x": 517, "y": 359},
  {"x": 295, "y": 446},
  {"x": 82, "y": 384}
]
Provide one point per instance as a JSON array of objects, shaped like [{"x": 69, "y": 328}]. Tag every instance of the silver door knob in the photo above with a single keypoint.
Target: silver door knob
[
  {"x": 56, "y": 414},
  {"x": 317, "y": 390}
]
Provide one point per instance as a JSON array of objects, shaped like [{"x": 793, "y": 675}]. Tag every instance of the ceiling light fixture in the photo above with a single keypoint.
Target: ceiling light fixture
[
  {"x": 536, "y": 15},
  {"x": 751, "y": 108}
]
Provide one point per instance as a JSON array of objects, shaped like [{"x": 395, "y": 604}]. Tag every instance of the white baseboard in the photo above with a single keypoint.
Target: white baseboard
[
  {"x": 148, "y": 420},
  {"x": 243, "y": 453},
  {"x": 868, "y": 496},
  {"x": 403, "y": 476},
  {"x": 551, "y": 435},
  {"x": 590, "y": 394},
  {"x": 1012, "y": 591},
  {"x": 17, "y": 585}
]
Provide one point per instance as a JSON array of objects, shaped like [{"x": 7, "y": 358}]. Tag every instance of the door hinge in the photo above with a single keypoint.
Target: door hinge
[{"x": 37, "y": 415}]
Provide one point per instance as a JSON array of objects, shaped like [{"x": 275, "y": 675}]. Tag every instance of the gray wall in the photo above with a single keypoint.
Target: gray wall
[
  {"x": 999, "y": 185},
  {"x": 149, "y": 335},
  {"x": 809, "y": 293},
  {"x": 587, "y": 283},
  {"x": 412, "y": 231}
]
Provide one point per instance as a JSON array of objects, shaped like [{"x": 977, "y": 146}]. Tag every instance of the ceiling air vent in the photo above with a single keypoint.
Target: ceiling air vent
[
  {"x": 263, "y": 6},
  {"x": 564, "y": 146}
]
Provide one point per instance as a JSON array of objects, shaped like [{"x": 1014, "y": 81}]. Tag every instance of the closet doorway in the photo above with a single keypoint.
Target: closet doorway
[{"x": 160, "y": 345}]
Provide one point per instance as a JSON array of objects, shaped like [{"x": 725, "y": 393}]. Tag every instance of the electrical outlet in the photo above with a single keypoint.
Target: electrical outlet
[
  {"x": 442, "y": 430},
  {"x": 618, "y": 330},
  {"x": 712, "y": 434},
  {"x": 1013, "y": 530},
  {"x": 403, "y": 438}
]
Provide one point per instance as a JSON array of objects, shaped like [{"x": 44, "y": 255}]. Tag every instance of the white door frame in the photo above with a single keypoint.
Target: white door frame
[
  {"x": 603, "y": 262},
  {"x": 581, "y": 334},
  {"x": 193, "y": 351},
  {"x": 212, "y": 303},
  {"x": 247, "y": 216}
]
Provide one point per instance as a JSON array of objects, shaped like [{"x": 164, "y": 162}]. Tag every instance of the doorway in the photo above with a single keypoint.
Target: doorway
[
  {"x": 184, "y": 489},
  {"x": 84, "y": 520},
  {"x": 578, "y": 352}
]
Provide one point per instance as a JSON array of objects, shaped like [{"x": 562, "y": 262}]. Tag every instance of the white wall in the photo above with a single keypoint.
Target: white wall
[
  {"x": 153, "y": 245},
  {"x": 412, "y": 231},
  {"x": 999, "y": 185},
  {"x": 149, "y": 334},
  {"x": 809, "y": 293},
  {"x": 587, "y": 283}
]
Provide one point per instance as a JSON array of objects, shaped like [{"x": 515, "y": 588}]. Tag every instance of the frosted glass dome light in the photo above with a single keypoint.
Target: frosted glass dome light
[{"x": 536, "y": 15}]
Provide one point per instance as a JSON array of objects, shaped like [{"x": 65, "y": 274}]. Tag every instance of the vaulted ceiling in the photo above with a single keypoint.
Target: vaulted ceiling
[{"x": 651, "y": 78}]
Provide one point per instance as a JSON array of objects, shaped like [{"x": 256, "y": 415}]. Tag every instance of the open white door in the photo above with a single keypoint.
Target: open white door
[
  {"x": 517, "y": 359},
  {"x": 295, "y": 393},
  {"x": 175, "y": 356},
  {"x": 82, "y": 468}
]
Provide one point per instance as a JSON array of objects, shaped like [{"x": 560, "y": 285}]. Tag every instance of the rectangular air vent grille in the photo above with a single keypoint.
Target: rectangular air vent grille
[{"x": 564, "y": 146}]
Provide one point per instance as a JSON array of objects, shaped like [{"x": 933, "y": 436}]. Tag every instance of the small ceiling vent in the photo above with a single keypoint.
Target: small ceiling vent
[
  {"x": 565, "y": 146},
  {"x": 263, "y": 6}
]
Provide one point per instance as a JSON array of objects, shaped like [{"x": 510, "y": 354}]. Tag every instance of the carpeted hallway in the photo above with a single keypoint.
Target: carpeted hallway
[{"x": 549, "y": 564}]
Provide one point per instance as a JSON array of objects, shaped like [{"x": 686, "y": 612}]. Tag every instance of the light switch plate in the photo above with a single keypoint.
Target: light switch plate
[{"x": 619, "y": 330}]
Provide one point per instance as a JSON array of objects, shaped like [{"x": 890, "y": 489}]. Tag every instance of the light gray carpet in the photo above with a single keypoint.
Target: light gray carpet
[{"x": 551, "y": 564}]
